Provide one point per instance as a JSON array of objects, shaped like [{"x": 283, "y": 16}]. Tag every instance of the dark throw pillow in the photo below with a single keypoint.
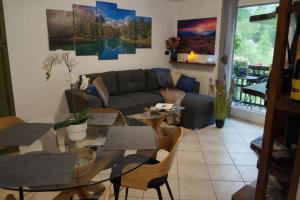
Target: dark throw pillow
[
  {"x": 164, "y": 77},
  {"x": 92, "y": 90},
  {"x": 186, "y": 83}
]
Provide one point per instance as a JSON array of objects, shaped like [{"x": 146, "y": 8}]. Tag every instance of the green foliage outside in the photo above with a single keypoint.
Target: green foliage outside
[{"x": 255, "y": 41}]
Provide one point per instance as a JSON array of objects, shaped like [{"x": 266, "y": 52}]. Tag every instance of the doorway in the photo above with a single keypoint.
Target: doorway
[
  {"x": 6, "y": 95},
  {"x": 253, "y": 55}
]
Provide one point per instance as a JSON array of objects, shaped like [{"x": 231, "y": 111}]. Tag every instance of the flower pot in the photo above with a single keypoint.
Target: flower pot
[
  {"x": 77, "y": 132},
  {"x": 220, "y": 123}
]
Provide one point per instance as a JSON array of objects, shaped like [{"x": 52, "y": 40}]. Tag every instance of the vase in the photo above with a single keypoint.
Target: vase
[
  {"x": 220, "y": 123},
  {"x": 174, "y": 56},
  {"x": 77, "y": 132}
]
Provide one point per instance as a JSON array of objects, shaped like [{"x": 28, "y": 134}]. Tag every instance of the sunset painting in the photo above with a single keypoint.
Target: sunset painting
[{"x": 197, "y": 35}]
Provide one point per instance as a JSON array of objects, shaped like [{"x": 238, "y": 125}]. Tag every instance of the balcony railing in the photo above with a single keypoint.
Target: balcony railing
[{"x": 249, "y": 90}]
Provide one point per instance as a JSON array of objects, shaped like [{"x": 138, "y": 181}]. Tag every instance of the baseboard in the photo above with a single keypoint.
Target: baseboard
[{"x": 255, "y": 117}]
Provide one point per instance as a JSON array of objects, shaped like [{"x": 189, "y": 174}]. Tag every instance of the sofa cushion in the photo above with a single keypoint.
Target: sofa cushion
[
  {"x": 125, "y": 105},
  {"x": 164, "y": 77},
  {"x": 145, "y": 99},
  {"x": 186, "y": 83},
  {"x": 151, "y": 80},
  {"x": 156, "y": 92},
  {"x": 197, "y": 103},
  {"x": 109, "y": 79},
  {"x": 131, "y": 81}
]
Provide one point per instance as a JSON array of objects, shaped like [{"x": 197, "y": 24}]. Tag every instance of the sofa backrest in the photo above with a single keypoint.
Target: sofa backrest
[
  {"x": 151, "y": 80},
  {"x": 131, "y": 81}
]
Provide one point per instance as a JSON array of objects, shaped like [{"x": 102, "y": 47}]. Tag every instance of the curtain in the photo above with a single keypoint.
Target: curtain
[{"x": 228, "y": 25}]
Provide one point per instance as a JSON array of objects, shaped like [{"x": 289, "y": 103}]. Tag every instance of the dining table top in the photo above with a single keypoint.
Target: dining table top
[{"x": 57, "y": 141}]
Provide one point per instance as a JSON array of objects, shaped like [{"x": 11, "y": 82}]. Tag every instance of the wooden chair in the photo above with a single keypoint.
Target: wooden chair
[
  {"x": 6, "y": 122},
  {"x": 152, "y": 174},
  {"x": 120, "y": 119}
]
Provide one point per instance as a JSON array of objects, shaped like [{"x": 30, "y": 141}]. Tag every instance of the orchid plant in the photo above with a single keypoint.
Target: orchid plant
[{"x": 60, "y": 57}]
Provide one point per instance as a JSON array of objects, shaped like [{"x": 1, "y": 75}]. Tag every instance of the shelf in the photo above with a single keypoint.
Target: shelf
[
  {"x": 192, "y": 63},
  {"x": 287, "y": 105}
]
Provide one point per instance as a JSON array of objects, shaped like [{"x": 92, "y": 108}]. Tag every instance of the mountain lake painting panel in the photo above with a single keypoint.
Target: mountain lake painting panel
[
  {"x": 85, "y": 29},
  {"x": 143, "y": 32},
  {"x": 60, "y": 29},
  {"x": 125, "y": 21},
  {"x": 108, "y": 32},
  {"x": 197, "y": 35}
]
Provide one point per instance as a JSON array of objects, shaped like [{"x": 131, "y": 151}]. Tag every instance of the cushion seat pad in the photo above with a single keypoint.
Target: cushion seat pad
[
  {"x": 144, "y": 99},
  {"x": 197, "y": 103},
  {"x": 125, "y": 105}
]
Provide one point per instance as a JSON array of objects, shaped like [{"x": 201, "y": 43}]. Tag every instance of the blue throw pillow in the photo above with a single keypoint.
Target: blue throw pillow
[
  {"x": 164, "y": 77},
  {"x": 92, "y": 90},
  {"x": 186, "y": 83}
]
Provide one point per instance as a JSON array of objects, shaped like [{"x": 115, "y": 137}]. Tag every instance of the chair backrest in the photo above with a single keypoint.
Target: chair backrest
[
  {"x": 6, "y": 122},
  {"x": 120, "y": 119},
  {"x": 169, "y": 143}
]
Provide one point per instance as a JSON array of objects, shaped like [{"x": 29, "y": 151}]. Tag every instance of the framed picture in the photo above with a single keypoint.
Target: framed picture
[{"x": 197, "y": 35}]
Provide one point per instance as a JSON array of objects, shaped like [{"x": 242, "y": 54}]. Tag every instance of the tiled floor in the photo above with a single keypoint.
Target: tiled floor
[{"x": 210, "y": 164}]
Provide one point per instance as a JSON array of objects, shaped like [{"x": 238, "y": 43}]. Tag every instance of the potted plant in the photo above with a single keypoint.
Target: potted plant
[
  {"x": 77, "y": 126},
  {"x": 172, "y": 45},
  {"x": 241, "y": 68},
  {"x": 222, "y": 102}
]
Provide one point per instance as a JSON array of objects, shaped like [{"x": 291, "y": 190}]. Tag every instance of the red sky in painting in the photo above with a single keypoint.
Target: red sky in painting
[{"x": 200, "y": 26}]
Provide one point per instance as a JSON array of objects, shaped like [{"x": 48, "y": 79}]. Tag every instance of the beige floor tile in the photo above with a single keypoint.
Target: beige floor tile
[
  {"x": 213, "y": 146},
  {"x": 217, "y": 158},
  {"x": 193, "y": 171},
  {"x": 231, "y": 137},
  {"x": 189, "y": 135},
  {"x": 249, "y": 173},
  {"x": 209, "y": 137},
  {"x": 151, "y": 193},
  {"x": 224, "y": 130},
  {"x": 237, "y": 147},
  {"x": 244, "y": 158},
  {"x": 190, "y": 157},
  {"x": 224, "y": 173},
  {"x": 173, "y": 171},
  {"x": 225, "y": 189},
  {"x": 4, "y": 193},
  {"x": 196, "y": 189},
  {"x": 248, "y": 138},
  {"x": 132, "y": 193},
  {"x": 187, "y": 145}
]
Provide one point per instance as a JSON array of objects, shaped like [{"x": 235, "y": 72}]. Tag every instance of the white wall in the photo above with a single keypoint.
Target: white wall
[
  {"x": 193, "y": 9},
  {"x": 27, "y": 38}
]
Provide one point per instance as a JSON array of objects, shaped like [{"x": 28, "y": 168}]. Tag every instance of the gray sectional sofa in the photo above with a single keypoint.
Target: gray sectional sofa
[{"x": 132, "y": 90}]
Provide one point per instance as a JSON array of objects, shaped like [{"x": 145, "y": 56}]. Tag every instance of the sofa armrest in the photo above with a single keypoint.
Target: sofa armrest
[
  {"x": 197, "y": 87},
  {"x": 82, "y": 100}
]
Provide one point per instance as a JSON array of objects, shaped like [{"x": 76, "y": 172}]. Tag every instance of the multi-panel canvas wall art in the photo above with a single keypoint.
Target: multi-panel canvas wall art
[
  {"x": 107, "y": 30},
  {"x": 104, "y": 30},
  {"x": 85, "y": 30},
  {"x": 197, "y": 35},
  {"x": 60, "y": 29},
  {"x": 143, "y": 32}
]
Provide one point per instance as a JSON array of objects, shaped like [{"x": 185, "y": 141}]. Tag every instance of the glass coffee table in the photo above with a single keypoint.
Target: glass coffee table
[
  {"x": 58, "y": 141},
  {"x": 155, "y": 118}
]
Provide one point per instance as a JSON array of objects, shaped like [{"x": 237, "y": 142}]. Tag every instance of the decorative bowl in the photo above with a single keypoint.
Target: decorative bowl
[{"x": 85, "y": 161}]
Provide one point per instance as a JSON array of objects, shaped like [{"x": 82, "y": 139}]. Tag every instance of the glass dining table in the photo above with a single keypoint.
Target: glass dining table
[{"x": 57, "y": 141}]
